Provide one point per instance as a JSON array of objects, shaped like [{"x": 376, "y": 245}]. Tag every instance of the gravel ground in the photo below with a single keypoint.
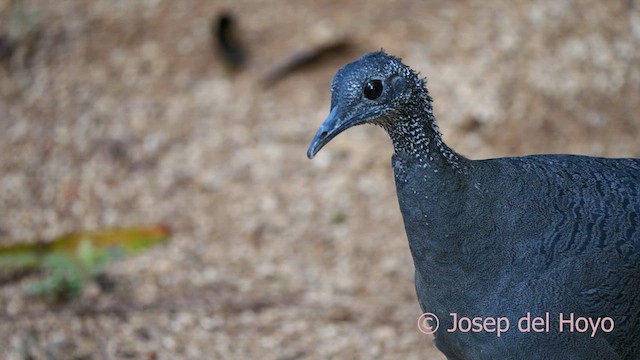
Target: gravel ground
[{"x": 118, "y": 113}]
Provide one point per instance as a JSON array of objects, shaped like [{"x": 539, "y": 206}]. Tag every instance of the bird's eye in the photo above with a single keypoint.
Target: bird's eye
[{"x": 372, "y": 89}]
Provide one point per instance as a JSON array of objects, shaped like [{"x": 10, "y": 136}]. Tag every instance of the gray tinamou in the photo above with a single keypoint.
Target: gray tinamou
[{"x": 554, "y": 237}]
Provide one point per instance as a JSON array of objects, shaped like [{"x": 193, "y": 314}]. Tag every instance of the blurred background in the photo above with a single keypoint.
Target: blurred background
[{"x": 196, "y": 115}]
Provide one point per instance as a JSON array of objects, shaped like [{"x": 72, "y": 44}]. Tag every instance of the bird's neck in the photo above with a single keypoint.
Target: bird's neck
[
  {"x": 417, "y": 136},
  {"x": 431, "y": 180}
]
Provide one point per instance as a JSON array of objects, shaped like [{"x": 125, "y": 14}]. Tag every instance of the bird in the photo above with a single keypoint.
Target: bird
[{"x": 550, "y": 243}]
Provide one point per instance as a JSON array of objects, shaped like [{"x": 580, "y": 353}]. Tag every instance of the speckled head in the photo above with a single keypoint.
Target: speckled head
[{"x": 376, "y": 89}]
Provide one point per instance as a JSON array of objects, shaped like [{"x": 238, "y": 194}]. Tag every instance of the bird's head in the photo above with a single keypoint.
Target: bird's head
[{"x": 375, "y": 89}]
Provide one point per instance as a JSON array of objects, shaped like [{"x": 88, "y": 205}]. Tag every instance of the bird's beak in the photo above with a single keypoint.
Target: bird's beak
[{"x": 330, "y": 128}]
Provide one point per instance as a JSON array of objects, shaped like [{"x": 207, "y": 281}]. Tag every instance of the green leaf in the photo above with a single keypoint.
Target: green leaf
[
  {"x": 109, "y": 243},
  {"x": 73, "y": 259}
]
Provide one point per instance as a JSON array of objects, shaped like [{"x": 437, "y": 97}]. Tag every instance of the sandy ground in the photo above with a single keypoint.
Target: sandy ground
[{"x": 119, "y": 113}]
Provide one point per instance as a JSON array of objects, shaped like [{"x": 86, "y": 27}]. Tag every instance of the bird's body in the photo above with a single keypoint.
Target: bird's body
[
  {"x": 539, "y": 236},
  {"x": 560, "y": 236}
]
